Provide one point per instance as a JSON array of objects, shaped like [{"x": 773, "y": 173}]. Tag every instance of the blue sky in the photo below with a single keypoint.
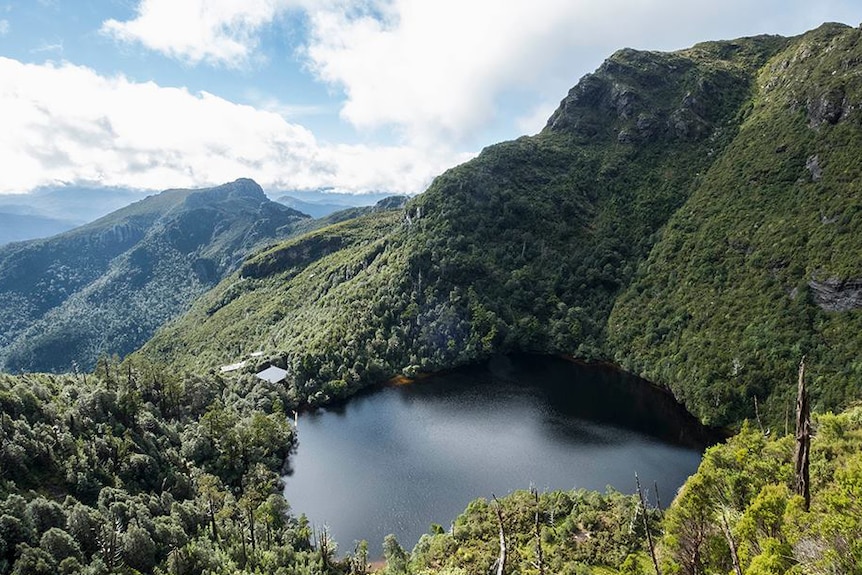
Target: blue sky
[{"x": 357, "y": 95}]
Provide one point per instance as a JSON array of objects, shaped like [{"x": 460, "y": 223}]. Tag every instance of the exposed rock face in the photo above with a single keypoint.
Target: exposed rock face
[
  {"x": 644, "y": 97},
  {"x": 837, "y": 295},
  {"x": 813, "y": 166},
  {"x": 828, "y": 108},
  {"x": 298, "y": 255}
]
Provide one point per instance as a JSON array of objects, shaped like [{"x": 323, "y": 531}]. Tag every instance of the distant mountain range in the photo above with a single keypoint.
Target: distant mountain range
[
  {"x": 321, "y": 203},
  {"x": 51, "y": 210},
  {"x": 690, "y": 216},
  {"x": 107, "y": 286},
  {"x": 15, "y": 227}
]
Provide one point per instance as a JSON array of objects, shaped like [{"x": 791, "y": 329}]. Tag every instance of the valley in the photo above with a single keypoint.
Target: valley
[{"x": 689, "y": 217}]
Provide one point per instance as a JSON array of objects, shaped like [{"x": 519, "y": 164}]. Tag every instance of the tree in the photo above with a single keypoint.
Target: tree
[
  {"x": 59, "y": 544},
  {"x": 540, "y": 559},
  {"x": 211, "y": 491},
  {"x": 396, "y": 557},
  {"x": 643, "y": 511},
  {"x": 689, "y": 524},
  {"x": 359, "y": 560},
  {"x": 44, "y": 514},
  {"x": 500, "y": 563},
  {"x": 82, "y": 524},
  {"x": 34, "y": 561},
  {"x": 257, "y": 484},
  {"x": 139, "y": 550}
]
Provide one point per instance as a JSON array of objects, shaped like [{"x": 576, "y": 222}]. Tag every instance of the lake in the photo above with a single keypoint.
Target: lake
[{"x": 396, "y": 459}]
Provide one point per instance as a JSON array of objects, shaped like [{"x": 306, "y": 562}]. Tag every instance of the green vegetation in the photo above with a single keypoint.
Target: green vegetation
[
  {"x": 524, "y": 248},
  {"x": 688, "y": 216},
  {"x": 758, "y": 267},
  {"x": 691, "y": 216},
  {"x": 131, "y": 470},
  {"x": 742, "y": 493}
]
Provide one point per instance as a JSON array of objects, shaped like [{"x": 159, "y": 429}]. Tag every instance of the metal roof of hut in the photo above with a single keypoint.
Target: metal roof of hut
[{"x": 273, "y": 374}]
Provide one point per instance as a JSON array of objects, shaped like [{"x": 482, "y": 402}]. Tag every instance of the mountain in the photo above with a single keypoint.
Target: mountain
[
  {"x": 78, "y": 204},
  {"x": 15, "y": 227},
  {"x": 763, "y": 263},
  {"x": 325, "y": 201},
  {"x": 689, "y": 216},
  {"x": 313, "y": 209},
  {"x": 105, "y": 287}
]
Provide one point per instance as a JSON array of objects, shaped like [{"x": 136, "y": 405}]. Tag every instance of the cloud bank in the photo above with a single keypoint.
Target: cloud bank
[
  {"x": 436, "y": 74},
  {"x": 67, "y": 124}
]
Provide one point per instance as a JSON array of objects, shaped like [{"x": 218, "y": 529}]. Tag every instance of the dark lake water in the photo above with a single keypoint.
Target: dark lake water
[{"x": 399, "y": 458}]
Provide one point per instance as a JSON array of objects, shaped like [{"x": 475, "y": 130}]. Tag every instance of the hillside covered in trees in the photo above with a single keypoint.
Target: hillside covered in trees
[{"x": 687, "y": 215}]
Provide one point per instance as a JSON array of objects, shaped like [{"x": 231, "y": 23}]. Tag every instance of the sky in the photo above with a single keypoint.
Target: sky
[{"x": 352, "y": 95}]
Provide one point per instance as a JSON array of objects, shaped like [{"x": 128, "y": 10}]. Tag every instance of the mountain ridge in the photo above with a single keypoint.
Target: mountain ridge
[{"x": 525, "y": 248}]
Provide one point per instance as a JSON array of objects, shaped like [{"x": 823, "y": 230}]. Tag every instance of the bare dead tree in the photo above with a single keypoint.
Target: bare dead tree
[
  {"x": 646, "y": 525},
  {"x": 540, "y": 559},
  {"x": 803, "y": 438},
  {"x": 657, "y": 499},
  {"x": 500, "y": 564},
  {"x": 734, "y": 555},
  {"x": 757, "y": 415}
]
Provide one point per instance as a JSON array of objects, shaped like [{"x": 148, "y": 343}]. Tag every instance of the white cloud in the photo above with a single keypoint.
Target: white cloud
[
  {"x": 65, "y": 123},
  {"x": 436, "y": 73},
  {"x": 4, "y": 27},
  {"x": 46, "y": 47},
  {"x": 434, "y": 69},
  {"x": 438, "y": 70},
  {"x": 270, "y": 103},
  {"x": 222, "y": 32}
]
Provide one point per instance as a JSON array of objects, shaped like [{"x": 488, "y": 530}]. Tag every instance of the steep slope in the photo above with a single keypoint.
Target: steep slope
[
  {"x": 763, "y": 264},
  {"x": 524, "y": 248},
  {"x": 107, "y": 286}
]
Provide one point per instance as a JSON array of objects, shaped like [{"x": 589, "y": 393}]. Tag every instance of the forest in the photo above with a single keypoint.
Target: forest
[{"x": 132, "y": 469}]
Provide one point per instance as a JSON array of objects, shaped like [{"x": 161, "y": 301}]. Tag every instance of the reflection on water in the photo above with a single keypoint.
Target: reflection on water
[{"x": 400, "y": 458}]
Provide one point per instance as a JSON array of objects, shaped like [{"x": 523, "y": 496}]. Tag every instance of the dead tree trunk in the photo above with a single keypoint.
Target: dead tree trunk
[
  {"x": 540, "y": 559},
  {"x": 211, "y": 513},
  {"x": 501, "y": 560},
  {"x": 757, "y": 416},
  {"x": 803, "y": 438},
  {"x": 646, "y": 525},
  {"x": 734, "y": 555}
]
